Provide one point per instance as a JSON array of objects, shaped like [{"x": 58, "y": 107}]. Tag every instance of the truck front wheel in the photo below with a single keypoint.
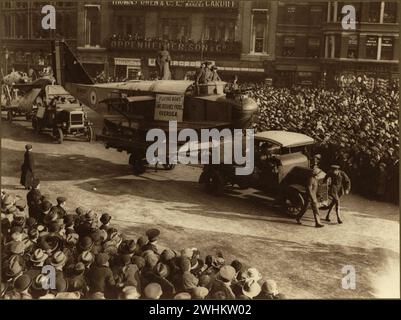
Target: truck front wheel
[{"x": 293, "y": 202}]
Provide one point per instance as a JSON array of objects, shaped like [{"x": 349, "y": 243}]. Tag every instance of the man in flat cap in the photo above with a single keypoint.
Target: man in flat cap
[
  {"x": 311, "y": 197},
  {"x": 340, "y": 184},
  {"x": 153, "y": 235},
  {"x": 27, "y": 168},
  {"x": 60, "y": 207}
]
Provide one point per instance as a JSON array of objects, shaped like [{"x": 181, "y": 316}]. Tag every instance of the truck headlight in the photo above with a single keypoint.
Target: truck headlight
[{"x": 64, "y": 124}]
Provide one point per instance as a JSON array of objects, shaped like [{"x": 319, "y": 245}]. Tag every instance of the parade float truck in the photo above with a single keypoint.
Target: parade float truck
[
  {"x": 130, "y": 109},
  {"x": 281, "y": 171},
  {"x": 55, "y": 110}
]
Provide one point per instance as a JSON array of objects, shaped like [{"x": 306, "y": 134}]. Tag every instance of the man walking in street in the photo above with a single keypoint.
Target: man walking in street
[
  {"x": 340, "y": 184},
  {"x": 311, "y": 192}
]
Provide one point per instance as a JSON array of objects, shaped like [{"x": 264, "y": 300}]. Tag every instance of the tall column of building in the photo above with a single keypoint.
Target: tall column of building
[
  {"x": 271, "y": 40},
  {"x": 151, "y": 24},
  {"x": 197, "y": 31},
  {"x": 379, "y": 47},
  {"x": 245, "y": 25}
]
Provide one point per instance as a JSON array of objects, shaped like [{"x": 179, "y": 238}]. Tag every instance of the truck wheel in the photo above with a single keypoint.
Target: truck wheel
[
  {"x": 214, "y": 182},
  {"x": 293, "y": 202},
  {"x": 138, "y": 165},
  {"x": 89, "y": 134},
  {"x": 9, "y": 116},
  {"x": 36, "y": 125},
  {"x": 60, "y": 136}
]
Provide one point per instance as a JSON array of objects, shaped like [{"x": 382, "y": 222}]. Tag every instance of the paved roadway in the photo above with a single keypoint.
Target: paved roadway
[{"x": 306, "y": 262}]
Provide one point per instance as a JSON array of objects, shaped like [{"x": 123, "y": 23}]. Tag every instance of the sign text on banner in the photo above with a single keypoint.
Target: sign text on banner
[{"x": 169, "y": 107}]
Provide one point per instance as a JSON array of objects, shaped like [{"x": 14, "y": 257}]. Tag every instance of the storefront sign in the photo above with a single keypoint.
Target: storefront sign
[
  {"x": 169, "y": 107},
  {"x": 224, "y": 4},
  {"x": 127, "y": 62},
  {"x": 222, "y": 47},
  {"x": 371, "y": 41},
  {"x": 387, "y": 42}
]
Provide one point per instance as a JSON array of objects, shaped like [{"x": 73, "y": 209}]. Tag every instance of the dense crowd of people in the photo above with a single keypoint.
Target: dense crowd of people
[
  {"x": 92, "y": 259},
  {"x": 352, "y": 126}
]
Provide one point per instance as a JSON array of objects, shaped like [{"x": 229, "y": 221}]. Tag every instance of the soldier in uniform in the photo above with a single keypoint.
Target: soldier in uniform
[
  {"x": 27, "y": 168},
  {"x": 340, "y": 184},
  {"x": 311, "y": 190}
]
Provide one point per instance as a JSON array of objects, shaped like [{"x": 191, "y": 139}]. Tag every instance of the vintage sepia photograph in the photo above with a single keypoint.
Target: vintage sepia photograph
[{"x": 203, "y": 150}]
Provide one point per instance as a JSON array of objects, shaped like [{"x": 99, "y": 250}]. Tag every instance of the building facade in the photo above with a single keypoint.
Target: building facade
[
  {"x": 125, "y": 36},
  {"x": 289, "y": 42},
  {"x": 371, "y": 50},
  {"x": 24, "y": 43}
]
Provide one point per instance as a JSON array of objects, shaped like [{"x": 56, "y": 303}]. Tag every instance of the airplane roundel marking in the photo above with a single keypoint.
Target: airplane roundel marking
[{"x": 93, "y": 97}]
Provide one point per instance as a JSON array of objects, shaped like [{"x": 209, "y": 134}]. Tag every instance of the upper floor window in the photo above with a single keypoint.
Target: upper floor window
[
  {"x": 373, "y": 12},
  {"x": 390, "y": 12},
  {"x": 92, "y": 25},
  {"x": 259, "y": 31}
]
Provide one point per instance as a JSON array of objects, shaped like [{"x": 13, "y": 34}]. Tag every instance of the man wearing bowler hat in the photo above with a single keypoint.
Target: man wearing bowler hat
[
  {"x": 27, "y": 168},
  {"x": 340, "y": 184}
]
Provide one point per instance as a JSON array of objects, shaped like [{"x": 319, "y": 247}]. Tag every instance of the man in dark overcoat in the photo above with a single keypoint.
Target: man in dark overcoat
[{"x": 27, "y": 168}]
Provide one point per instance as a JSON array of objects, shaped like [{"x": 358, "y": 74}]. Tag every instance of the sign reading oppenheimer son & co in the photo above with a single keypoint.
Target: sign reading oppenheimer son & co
[{"x": 223, "y": 4}]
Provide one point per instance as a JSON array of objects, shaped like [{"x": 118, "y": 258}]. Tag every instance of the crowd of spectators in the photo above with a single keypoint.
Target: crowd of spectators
[
  {"x": 92, "y": 259},
  {"x": 353, "y": 127}
]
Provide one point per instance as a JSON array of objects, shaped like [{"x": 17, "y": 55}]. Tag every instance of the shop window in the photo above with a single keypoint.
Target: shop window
[
  {"x": 352, "y": 52},
  {"x": 313, "y": 49},
  {"x": 387, "y": 48},
  {"x": 259, "y": 31},
  {"x": 289, "y": 47},
  {"x": 337, "y": 46},
  {"x": 371, "y": 47},
  {"x": 92, "y": 25},
  {"x": 390, "y": 12}
]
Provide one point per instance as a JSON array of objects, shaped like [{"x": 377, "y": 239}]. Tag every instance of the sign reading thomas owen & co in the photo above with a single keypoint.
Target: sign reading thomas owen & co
[{"x": 222, "y": 4}]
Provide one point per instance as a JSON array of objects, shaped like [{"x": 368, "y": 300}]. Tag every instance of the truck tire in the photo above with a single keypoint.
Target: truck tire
[
  {"x": 138, "y": 165},
  {"x": 214, "y": 182},
  {"x": 293, "y": 202},
  {"x": 36, "y": 124},
  {"x": 90, "y": 136},
  {"x": 60, "y": 136}
]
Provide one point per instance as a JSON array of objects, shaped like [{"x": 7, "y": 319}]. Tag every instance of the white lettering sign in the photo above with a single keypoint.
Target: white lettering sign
[{"x": 169, "y": 107}]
